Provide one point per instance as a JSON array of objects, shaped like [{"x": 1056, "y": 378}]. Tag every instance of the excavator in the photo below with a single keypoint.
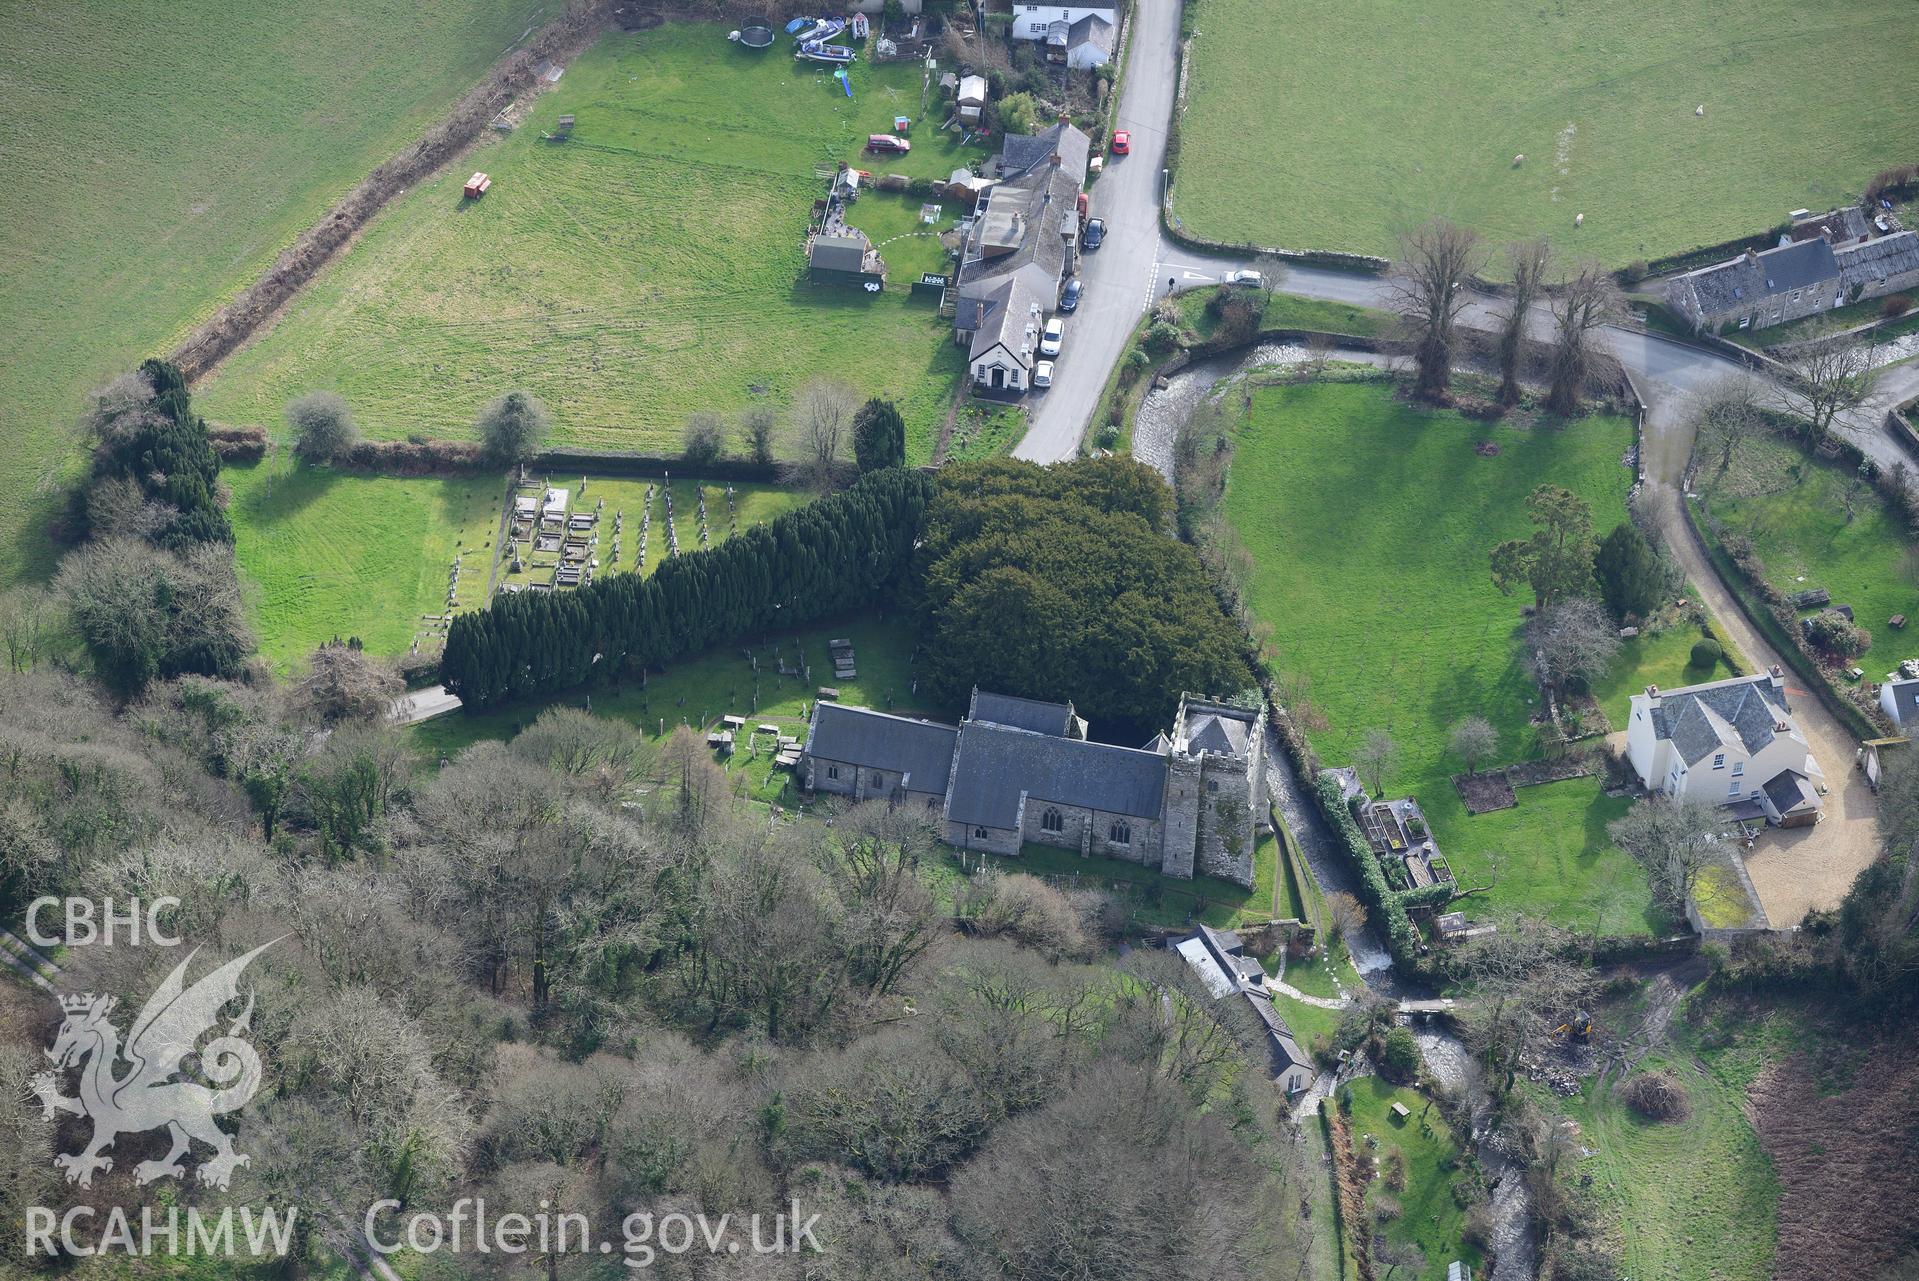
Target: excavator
[{"x": 1577, "y": 1027}]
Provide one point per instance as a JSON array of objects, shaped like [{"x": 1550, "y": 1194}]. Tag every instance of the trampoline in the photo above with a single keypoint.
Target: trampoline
[{"x": 755, "y": 37}]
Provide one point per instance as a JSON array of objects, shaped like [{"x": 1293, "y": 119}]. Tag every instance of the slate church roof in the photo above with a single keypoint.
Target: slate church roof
[
  {"x": 996, "y": 764},
  {"x": 1021, "y": 713},
  {"x": 921, "y": 750}
]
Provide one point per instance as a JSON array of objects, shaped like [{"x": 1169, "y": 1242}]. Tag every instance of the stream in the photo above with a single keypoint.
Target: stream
[{"x": 1447, "y": 1057}]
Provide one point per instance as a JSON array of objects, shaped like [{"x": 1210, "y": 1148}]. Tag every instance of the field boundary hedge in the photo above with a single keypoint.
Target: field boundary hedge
[
  {"x": 1367, "y": 264},
  {"x": 260, "y": 303}
]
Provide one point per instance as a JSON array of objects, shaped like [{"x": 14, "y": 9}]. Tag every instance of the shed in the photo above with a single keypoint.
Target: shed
[
  {"x": 971, "y": 98},
  {"x": 1401, "y": 1111},
  {"x": 477, "y": 185}
]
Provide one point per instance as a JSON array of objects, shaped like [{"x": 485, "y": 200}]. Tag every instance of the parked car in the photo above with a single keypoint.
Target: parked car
[
  {"x": 1069, "y": 300},
  {"x": 1052, "y": 336},
  {"x": 1095, "y": 232},
  {"x": 1043, "y": 374},
  {"x": 1249, "y": 278},
  {"x": 1122, "y": 142},
  {"x": 887, "y": 142}
]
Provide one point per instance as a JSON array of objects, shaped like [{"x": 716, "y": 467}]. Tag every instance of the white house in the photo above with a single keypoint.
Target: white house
[
  {"x": 1732, "y": 742},
  {"x": 1035, "y": 21}
]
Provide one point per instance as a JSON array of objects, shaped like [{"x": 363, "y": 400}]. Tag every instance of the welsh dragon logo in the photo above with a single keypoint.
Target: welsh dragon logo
[{"x": 146, "y": 1096}]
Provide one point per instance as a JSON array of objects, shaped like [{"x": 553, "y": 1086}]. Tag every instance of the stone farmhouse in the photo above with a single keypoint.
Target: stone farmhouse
[
  {"x": 1020, "y": 249},
  {"x": 1822, "y": 263},
  {"x": 1732, "y": 743},
  {"x": 1191, "y": 802},
  {"x": 1218, "y": 959}
]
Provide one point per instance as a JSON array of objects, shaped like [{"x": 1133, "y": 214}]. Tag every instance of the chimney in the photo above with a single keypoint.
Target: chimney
[
  {"x": 1752, "y": 256},
  {"x": 1652, "y": 691}
]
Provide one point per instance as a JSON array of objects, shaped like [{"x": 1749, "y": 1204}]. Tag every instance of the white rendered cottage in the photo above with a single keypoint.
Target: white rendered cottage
[{"x": 1732, "y": 742}]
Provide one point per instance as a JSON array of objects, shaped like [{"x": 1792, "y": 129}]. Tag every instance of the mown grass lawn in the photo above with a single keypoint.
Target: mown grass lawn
[
  {"x": 1431, "y": 1219},
  {"x": 1336, "y": 124},
  {"x": 325, "y": 553},
  {"x": 1793, "y": 508},
  {"x": 1369, "y": 522},
  {"x": 651, "y": 266},
  {"x": 158, "y": 155}
]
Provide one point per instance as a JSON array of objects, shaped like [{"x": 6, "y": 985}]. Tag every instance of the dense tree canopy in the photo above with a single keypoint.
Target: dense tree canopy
[
  {"x": 1059, "y": 583},
  {"x": 146, "y": 432},
  {"x": 879, "y": 436},
  {"x": 832, "y": 556}
]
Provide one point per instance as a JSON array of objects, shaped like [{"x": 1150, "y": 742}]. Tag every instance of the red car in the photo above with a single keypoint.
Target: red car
[{"x": 1122, "y": 142}]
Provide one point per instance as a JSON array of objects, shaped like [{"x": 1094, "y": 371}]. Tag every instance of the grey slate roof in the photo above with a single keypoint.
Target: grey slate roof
[
  {"x": 1749, "y": 281},
  {"x": 1878, "y": 260},
  {"x": 1045, "y": 199},
  {"x": 1091, "y": 29},
  {"x": 1021, "y": 713},
  {"x": 996, "y": 764},
  {"x": 1787, "y": 791},
  {"x": 1002, "y": 312},
  {"x": 1905, "y": 701},
  {"x": 1211, "y": 732},
  {"x": 922, "y": 750},
  {"x": 838, "y": 253},
  {"x": 1702, "y": 719}
]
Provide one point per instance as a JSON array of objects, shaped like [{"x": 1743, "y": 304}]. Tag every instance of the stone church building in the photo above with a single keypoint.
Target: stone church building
[{"x": 1191, "y": 802}]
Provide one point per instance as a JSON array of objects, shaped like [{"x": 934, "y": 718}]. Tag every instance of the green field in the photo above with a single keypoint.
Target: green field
[
  {"x": 1369, "y": 522},
  {"x": 1431, "y": 1218},
  {"x": 649, "y": 267},
  {"x": 325, "y": 553},
  {"x": 159, "y": 155},
  {"x": 1338, "y": 124},
  {"x": 1694, "y": 1200},
  {"x": 1793, "y": 508}
]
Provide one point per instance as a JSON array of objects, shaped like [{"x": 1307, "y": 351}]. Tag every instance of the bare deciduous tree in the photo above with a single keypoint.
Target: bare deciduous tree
[
  {"x": 1583, "y": 304},
  {"x": 1345, "y": 915},
  {"x": 705, "y": 436},
  {"x": 823, "y": 418},
  {"x": 1473, "y": 740},
  {"x": 1727, "y": 413},
  {"x": 342, "y": 683},
  {"x": 323, "y": 429},
  {"x": 1524, "y": 988},
  {"x": 1527, "y": 262},
  {"x": 1435, "y": 265},
  {"x": 29, "y": 622},
  {"x": 1674, "y": 841},
  {"x": 1375, "y": 758},
  {"x": 1572, "y": 639},
  {"x": 1835, "y": 376},
  {"x": 757, "y": 424}
]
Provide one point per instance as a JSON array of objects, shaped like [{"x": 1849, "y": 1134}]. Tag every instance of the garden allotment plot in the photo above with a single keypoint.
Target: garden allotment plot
[
  {"x": 649, "y": 266},
  {"x": 1336, "y": 124}
]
